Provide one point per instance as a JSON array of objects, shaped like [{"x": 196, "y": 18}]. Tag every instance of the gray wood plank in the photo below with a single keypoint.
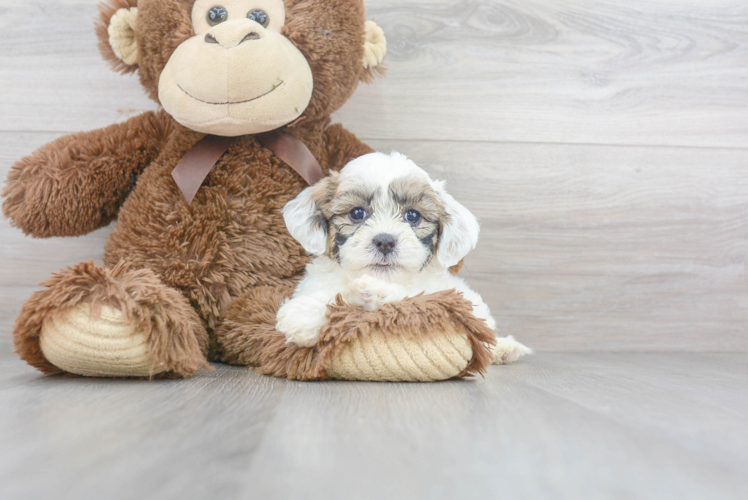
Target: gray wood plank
[
  {"x": 502, "y": 437},
  {"x": 79, "y": 432},
  {"x": 58, "y": 81},
  {"x": 582, "y": 247},
  {"x": 13, "y": 371},
  {"x": 561, "y": 425},
  {"x": 669, "y": 72},
  {"x": 659, "y": 393}
]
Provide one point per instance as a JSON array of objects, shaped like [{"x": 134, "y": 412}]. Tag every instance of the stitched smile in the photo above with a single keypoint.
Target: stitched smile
[{"x": 275, "y": 87}]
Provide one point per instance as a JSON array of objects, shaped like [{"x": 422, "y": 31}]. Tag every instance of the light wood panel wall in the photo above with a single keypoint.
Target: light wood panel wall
[{"x": 603, "y": 144}]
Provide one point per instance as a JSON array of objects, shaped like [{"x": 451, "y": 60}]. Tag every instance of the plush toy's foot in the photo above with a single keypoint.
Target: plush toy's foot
[
  {"x": 380, "y": 357},
  {"x": 96, "y": 345},
  {"x": 98, "y": 322},
  {"x": 424, "y": 338},
  {"x": 508, "y": 350}
]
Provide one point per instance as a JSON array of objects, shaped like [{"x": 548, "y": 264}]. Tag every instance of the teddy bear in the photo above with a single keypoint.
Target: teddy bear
[{"x": 199, "y": 260}]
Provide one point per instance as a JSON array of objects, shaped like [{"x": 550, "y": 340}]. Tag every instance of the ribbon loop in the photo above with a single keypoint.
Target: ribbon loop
[{"x": 193, "y": 169}]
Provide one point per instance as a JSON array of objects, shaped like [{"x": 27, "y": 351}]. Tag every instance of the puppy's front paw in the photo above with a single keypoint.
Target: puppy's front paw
[
  {"x": 367, "y": 292},
  {"x": 301, "y": 320},
  {"x": 507, "y": 350}
]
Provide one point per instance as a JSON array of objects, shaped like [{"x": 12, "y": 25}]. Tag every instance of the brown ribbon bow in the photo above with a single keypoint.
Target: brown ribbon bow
[{"x": 191, "y": 171}]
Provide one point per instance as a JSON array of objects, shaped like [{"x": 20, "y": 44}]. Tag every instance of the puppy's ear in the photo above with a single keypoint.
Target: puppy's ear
[
  {"x": 304, "y": 218},
  {"x": 459, "y": 233}
]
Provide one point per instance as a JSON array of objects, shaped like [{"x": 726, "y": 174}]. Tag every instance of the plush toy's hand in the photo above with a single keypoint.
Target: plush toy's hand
[
  {"x": 370, "y": 293},
  {"x": 301, "y": 319},
  {"x": 77, "y": 183}
]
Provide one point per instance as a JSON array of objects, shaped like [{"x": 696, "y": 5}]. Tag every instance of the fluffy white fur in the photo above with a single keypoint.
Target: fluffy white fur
[{"x": 362, "y": 274}]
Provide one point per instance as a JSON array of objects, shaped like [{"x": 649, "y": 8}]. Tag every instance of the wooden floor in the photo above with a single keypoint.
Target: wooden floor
[
  {"x": 604, "y": 146},
  {"x": 558, "y": 425}
]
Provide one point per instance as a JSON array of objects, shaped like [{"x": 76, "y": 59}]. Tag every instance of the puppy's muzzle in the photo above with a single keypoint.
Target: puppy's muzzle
[{"x": 385, "y": 243}]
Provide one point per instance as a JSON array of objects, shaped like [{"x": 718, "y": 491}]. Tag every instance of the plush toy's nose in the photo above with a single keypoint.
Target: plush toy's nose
[
  {"x": 233, "y": 33},
  {"x": 385, "y": 243}
]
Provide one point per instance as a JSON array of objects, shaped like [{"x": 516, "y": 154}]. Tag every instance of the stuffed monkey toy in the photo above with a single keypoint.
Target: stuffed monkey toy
[{"x": 200, "y": 260}]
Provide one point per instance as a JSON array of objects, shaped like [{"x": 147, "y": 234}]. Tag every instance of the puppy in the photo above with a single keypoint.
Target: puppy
[{"x": 380, "y": 231}]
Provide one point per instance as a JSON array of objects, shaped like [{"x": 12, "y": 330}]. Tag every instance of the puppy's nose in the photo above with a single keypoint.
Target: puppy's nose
[{"x": 384, "y": 243}]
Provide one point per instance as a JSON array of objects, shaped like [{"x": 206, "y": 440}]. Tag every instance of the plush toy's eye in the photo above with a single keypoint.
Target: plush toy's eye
[
  {"x": 260, "y": 17},
  {"x": 217, "y": 15},
  {"x": 412, "y": 217},
  {"x": 357, "y": 214}
]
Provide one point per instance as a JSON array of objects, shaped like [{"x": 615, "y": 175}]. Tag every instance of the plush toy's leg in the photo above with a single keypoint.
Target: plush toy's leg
[
  {"x": 118, "y": 322},
  {"x": 424, "y": 338},
  {"x": 248, "y": 336}
]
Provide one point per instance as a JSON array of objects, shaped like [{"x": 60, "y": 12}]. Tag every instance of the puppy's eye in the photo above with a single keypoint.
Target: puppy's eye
[
  {"x": 357, "y": 214},
  {"x": 260, "y": 17},
  {"x": 412, "y": 217},
  {"x": 217, "y": 15}
]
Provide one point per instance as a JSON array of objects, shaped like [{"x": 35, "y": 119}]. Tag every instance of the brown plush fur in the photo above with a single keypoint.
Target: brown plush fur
[
  {"x": 337, "y": 67},
  {"x": 246, "y": 330},
  {"x": 174, "y": 333},
  {"x": 418, "y": 316},
  {"x": 77, "y": 183},
  {"x": 202, "y": 281}
]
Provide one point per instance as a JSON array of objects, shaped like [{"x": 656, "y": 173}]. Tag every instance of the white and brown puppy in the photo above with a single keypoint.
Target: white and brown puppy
[{"x": 380, "y": 230}]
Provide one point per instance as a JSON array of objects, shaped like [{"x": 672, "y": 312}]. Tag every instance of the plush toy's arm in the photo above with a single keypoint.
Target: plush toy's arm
[
  {"x": 77, "y": 183},
  {"x": 343, "y": 146}
]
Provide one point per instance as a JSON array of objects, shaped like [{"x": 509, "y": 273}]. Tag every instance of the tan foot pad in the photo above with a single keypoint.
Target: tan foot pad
[
  {"x": 106, "y": 346},
  {"x": 399, "y": 359}
]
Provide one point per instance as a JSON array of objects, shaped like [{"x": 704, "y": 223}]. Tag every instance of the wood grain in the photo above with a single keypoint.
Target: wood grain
[
  {"x": 594, "y": 425},
  {"x": 600, "y": 72},
  {"x": 664, "y": 72}
]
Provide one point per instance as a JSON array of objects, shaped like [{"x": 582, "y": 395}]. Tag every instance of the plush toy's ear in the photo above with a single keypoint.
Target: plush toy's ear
[
  {"x": 375, "y": 49},
  {"x": 304, "y": 218},
  {"x": 459, "y": 234},
  {"x": 116, "y": 30}
]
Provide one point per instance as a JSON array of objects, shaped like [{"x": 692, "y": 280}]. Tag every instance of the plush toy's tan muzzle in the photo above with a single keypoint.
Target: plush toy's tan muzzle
[{"x": 236, "y": 79}]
